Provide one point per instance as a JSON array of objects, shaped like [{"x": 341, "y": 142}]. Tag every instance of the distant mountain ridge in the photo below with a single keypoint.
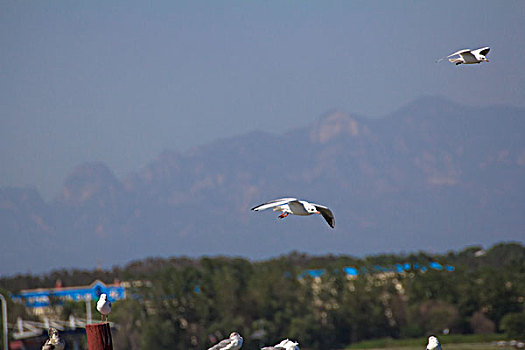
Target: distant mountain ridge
[{"x": 433, "y": 175}]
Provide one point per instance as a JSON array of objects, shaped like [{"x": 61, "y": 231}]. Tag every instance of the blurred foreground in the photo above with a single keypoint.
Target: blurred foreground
[{"x": 324, "y": 302}]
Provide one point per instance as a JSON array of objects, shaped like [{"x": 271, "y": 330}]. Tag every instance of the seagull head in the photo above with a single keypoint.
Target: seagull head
[
  {"x": 432, "y": 340},
  {"x": 103, "y": 296},
  {"x": 310, "y": 208},
  {"x": 234, "y": 335},
  {"x": 53, "y": 333}
]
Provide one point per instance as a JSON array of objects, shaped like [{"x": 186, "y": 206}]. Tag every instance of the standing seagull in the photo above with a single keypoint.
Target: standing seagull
[
  {"x": 433, "y": 343},
  {"x": 54, "y": 342},
  {"x": 234, "y": 342},
  {"x": 467, "y": 56},
  {"x": 297, "y": 207},
  {"x": 285, "y": 344},
  {"x": 104, "y": 306}
]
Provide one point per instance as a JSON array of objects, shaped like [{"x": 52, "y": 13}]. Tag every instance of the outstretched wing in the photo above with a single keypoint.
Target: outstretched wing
[
  {"x": 468, "y": 56},
  {"x": 460, "y": 52},
  {"x": 327, "y": 214},
  {"x": 483, "y": 51},
  {"x": 274, "y": 203}
]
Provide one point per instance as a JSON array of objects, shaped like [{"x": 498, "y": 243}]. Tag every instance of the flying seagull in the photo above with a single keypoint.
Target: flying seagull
[
  {"x": 433, "y": 343},
  {"x": 297, "y": 207},
  {"x": 234, "y": 342},
  {"x": 54, "y": 342},
  {"x": 467, "y": 56},
  {"x": 285, "y": 344},
  {"x": 104, "y": 306}
]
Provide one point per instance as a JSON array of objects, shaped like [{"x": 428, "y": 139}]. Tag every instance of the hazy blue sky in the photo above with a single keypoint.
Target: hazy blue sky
[{"x": 120, "y": 81}]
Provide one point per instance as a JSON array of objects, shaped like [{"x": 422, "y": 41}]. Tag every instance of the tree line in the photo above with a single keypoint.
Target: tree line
[{"x": 191, "y": 303}]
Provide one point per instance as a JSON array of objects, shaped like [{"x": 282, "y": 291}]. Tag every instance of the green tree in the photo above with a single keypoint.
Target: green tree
[{"x": 513, "y": 325}]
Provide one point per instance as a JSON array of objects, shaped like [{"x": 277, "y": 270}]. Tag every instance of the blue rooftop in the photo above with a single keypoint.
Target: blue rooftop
[
  {"x": 352, "y": 271},
  {"x": 312, "y": 273},
  {"x": 41, "y": 297}
]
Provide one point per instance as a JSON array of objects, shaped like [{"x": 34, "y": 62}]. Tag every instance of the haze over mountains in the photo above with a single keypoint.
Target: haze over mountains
[{"x": 432, "y": 176}]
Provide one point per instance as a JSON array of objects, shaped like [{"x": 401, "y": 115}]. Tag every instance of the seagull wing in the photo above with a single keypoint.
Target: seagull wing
[
  {"x": 283, "y": 342},
  {"x": 327, "y": 214},
  {"x": 454, "y": 54},
  {"x": 483, "y": 51},
  {"x": 468, "y": 56},
  {"x": 274, "y": 203},
  {"x": 289, "y": 345},
  {"x": 222, "y": 345},
  {"x": 460, "y": 52}
]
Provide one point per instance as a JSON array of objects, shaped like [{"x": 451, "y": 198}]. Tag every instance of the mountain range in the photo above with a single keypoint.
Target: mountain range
[{"x": 434, "y": 176}]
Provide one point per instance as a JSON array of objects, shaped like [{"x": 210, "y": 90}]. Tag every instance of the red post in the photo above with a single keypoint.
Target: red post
[{"x": 99, "y": 336}]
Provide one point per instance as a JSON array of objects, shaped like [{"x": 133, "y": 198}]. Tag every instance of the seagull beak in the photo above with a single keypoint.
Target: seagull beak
[{"x": 317, "y": 212}]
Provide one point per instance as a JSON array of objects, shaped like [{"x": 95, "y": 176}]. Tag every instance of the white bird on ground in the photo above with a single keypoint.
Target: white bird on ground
[
  {"x": 297, "y": 207},
  {"x": 234, "y": 342},
  {"x": 433, "y": 343},
  {"x": 54, "y": 342},
  {"x": 285, "y": 344},
  {"x": 104, "y": 306},
  {"x": 467, "y": 56}
]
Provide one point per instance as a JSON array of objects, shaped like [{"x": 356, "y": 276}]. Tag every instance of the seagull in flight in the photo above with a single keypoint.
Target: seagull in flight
[
  {"x": 285, "y": 344},
  {"x": 467, "y": 56},
  {"x": 433, "y": 343},
  {"x": 297, "y": 207},
  {"x": 54, "y": 342},
  {"x": 104, "y": 306},
  {"x": 234, "y": 342}
]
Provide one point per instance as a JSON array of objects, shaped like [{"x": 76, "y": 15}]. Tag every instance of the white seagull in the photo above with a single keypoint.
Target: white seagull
[
  {"x": 234, "y": 342},
  {"x": 104, "y": 306},
  {"x": 54, "y": 342},
  {"x": 285, "y": 344},
  {"x": 433, "y": 343},
  {"x": 467, "y": 56},
  {"x": 297, "y": 207}
]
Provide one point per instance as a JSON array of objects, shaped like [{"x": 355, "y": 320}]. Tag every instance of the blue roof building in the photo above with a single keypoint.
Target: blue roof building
[
  {"x": 314, "y": 273},
  {"x": 38, "y": 300}
]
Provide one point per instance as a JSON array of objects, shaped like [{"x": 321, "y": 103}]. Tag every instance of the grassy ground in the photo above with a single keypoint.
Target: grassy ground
[{"x": 448, "y": 342}]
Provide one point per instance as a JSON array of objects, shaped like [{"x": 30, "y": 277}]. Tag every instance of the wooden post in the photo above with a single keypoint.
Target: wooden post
[{"x": 99, "y": 336}]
